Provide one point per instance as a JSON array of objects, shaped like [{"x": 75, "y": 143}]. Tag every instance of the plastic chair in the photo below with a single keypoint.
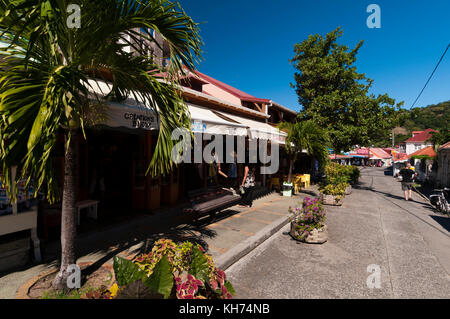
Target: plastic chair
[
  {"x": 306, "y": 178},
  {"x": 275, "y": 181}
]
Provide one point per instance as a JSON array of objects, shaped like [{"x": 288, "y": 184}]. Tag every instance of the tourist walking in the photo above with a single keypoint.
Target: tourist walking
[
  {"x": 407, "y": 175},
  {"x": 248, "y": 186}
]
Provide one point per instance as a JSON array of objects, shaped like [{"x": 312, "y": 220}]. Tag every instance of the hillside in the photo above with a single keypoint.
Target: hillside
[{"x": 436, "y": 116}]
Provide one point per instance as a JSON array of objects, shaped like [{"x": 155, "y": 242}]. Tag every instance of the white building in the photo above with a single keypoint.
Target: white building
[{"x": 417, "y": 142}]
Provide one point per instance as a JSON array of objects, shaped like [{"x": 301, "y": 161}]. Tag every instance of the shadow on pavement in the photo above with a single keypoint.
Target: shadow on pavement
[
  {"x": 120, "y": 238},
  {"x": 443, "y": 221}
]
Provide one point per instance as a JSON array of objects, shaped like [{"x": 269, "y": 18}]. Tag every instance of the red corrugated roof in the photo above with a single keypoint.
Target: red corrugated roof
[
  {"x": 232, "y": 90},
  {"x": 421, "y": 137},
  {"x": 379, "y": 152},
  {"x": 446, "y": 146},
  {"x": 429, "y": 151}
]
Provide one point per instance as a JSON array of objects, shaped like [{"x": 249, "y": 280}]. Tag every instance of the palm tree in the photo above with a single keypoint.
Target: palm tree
[
  {"x": 45, "y": 85},
  {"x": 305, "y": 135}
]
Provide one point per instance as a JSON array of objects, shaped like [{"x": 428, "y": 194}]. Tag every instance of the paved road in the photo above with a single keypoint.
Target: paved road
[{"x": 409, "y": 242}]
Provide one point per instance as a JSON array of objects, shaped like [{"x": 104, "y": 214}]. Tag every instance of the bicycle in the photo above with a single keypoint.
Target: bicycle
[{"x": 439, "y": 200}]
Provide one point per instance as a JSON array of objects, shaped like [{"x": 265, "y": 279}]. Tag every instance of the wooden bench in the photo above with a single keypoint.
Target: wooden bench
[
  {"x": 92, "y": 208},
  {"x": 210, "y": 201}
]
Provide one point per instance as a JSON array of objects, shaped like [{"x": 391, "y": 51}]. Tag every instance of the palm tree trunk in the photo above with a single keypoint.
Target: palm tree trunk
[
  {"x": 68, "y": 215},
  {"x": 291, "y": 164}
]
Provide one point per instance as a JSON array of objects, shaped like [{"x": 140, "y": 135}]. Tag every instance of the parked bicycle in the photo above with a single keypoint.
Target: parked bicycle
[{"x": 439, "y": 200}]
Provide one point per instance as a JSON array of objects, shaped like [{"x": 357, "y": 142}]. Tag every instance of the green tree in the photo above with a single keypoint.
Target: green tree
[
  {"x": 44, "y": 86},
  {"x": 335, "y": 95},
  {"x": 439, "y": 138},
  {"x": 305, "y": 135}
]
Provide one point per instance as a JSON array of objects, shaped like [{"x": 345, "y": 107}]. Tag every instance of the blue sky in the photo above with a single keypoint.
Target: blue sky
[{"x": 248, "y": 43}]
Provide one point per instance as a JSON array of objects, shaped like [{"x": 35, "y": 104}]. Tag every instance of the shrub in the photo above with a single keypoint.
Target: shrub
[
  {"x": 335, "y": 190},
  {"x": 338, "y": 178},
  {"x": 310, "y": 216},
  {"x": 169, "y": 271}
]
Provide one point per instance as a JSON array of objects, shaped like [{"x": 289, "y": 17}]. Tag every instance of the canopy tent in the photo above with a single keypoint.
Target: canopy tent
[
  {"x": 378, "y": 154},
  {"x": 259, "y": 130}
]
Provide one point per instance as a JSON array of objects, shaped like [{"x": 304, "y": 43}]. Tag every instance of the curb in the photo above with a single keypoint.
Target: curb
[
  {"x": 22, "y": 291},
  {"x": 240, "y": 250}
]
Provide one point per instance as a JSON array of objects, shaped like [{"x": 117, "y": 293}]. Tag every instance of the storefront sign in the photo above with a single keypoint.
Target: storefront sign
[{"x": 120, "y": 115}]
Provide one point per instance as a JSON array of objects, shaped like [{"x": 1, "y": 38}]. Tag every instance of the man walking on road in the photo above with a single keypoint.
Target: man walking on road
[{"x": 407, "y": 175}]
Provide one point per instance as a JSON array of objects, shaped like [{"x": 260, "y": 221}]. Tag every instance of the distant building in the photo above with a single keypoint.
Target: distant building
[
  {"x": 443, "y": 171},
  {"x": 417, "y": 142},
  {"x": 423, "y": 161}
]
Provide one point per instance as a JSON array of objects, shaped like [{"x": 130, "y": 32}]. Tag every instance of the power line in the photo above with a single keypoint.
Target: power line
[{"x": 442, "y": 57}]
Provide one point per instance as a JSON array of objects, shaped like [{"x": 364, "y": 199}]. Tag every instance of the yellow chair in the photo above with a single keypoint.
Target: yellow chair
[
  {"x": 275, "y": 181},
  {"x": 306, "y": 179},
  {"x": 296, "y": 180}
]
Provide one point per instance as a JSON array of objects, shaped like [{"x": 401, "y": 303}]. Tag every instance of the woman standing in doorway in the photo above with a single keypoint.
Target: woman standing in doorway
[{"x": 248, "y": 184}]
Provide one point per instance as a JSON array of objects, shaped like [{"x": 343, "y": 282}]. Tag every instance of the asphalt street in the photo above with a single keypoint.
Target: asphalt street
[{"x": 374, "y": 229}]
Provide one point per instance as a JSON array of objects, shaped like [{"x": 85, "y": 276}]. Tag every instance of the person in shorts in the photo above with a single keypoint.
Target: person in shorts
[{"x": 407, "y": 175}]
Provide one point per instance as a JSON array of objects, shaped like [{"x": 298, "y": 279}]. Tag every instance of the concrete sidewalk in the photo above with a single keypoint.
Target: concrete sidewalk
[{"x": 230, "y": 236}]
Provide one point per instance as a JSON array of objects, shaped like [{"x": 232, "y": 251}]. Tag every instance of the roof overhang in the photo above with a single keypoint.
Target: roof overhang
[
  {"x": 283, "y": 108},
  {"x": 210, "y": 100}
]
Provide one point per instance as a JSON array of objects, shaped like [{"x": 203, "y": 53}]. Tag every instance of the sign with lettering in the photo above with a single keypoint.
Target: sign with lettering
[{"x": 132, "y": 117}]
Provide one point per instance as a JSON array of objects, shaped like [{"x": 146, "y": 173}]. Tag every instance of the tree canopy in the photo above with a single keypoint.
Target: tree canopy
[
  {"x": 47, "y": 68},
  {"x": 336, "y": 97}
]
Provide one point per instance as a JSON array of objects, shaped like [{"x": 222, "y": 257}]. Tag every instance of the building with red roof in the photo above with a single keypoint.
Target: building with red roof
[
  {"x": 427, "y": 151},
  {"x": 418, "y": 141},
  {"x": 226, "y": 92}
]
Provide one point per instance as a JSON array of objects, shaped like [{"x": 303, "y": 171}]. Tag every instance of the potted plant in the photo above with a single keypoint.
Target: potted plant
[
  {"x": 307, "y": 222},
  {"x": 333, "y": 194}
]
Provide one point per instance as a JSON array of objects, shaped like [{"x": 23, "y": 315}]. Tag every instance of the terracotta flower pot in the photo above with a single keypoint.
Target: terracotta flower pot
[{"x": 317, "y": 236}]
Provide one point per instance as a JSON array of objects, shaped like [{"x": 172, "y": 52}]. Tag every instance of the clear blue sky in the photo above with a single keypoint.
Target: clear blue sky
[{"x": 248, "y": 43}]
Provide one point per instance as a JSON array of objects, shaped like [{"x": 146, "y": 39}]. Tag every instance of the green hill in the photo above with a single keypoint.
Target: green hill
[{"x": 436, "y": 116}]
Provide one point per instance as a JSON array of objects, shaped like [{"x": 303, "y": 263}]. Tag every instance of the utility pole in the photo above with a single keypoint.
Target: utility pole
[{"x": 393, "y": 138}]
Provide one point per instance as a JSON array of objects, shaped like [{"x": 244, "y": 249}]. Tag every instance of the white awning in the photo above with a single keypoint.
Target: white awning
[
  {"x": 205, "y": 121},
  {"x": 127, "y": 114},
  {"x": 259, "y": 130}
]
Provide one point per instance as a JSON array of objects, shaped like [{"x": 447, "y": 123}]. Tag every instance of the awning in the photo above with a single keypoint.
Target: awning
[
  {"x": 259, "y": 130},
  {"x": 205, "y": 121}
]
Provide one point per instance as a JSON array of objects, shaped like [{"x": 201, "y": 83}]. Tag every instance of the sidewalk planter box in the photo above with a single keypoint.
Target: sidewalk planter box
[
  {"x": 287, "y": 189},
  {"x": 317, "y": 236},
  {"x": 348, "y": 190},
  {"x": 331, "y": 199}
]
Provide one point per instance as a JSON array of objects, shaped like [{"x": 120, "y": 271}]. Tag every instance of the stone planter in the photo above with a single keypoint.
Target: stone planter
[
  {"x": 331, "y": 199},
  {"x": 317, "y": 236},
  {"x": 348, "y": 190}
]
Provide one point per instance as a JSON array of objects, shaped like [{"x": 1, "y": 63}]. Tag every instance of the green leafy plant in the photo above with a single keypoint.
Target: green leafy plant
[{"x": 181, "y": 271}]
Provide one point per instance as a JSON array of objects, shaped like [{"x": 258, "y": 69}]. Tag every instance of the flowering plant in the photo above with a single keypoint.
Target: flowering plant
[{"x": 310, "y": 216}]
